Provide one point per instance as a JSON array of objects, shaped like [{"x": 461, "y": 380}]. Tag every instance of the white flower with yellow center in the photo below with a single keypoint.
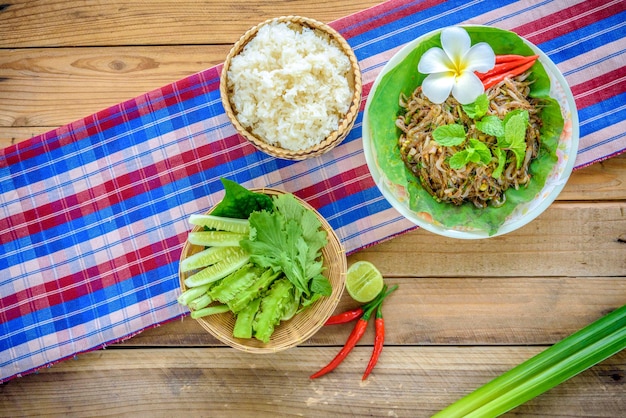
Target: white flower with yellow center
[{"x": 451, "y": 69}]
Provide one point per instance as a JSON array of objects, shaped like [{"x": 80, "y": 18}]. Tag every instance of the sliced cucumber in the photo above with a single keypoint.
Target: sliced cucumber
[
  {"x": 216, "y": 238},
  {"x": 220, "y": 223},
  {"x": 190, "y": 294},
  {"x": 218, "y": 270},
  {"x": 209, "y": 310},
  {"x": 207, "y": 257},
  {"x": 200, "y": 302}
]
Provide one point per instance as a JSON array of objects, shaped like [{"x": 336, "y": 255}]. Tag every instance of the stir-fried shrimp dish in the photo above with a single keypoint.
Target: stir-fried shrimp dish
[{"x": 475, "y": 181}]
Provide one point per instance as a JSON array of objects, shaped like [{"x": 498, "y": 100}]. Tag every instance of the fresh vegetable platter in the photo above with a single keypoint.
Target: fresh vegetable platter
[{"x": 219, "y": 313}]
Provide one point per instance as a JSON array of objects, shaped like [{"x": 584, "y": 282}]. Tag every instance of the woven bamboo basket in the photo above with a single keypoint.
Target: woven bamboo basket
[
  {"x": 303, "y": 325},
  {"x": 354, "y": 80}
]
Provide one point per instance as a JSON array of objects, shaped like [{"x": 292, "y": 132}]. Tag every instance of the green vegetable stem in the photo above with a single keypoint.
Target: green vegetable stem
[
  {"x": 257, "y": 288},
  {"x": 565, "y": 359},
  {"x": 209, "y": 310},
  {"x": 192, "y": 293},
  {"x": 234, "y": 283},
  {"x": 245, "y": 317},
  {"x": 272, "y": 309}
]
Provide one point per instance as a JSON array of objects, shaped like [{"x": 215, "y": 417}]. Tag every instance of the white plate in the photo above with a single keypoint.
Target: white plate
[{"x": 567, "y": 149}]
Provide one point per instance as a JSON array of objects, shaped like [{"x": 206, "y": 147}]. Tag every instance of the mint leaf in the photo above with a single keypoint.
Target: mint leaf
[
  {"x": 449, "y": 135},
  {"x": 472, "y": 155},
  {"x": 514, "y": 112},
  {"x": 491, "y": 125},
  {"x": 459, "y": 160},
  {"x": 482, "y": 150},
  {"x": 519, "y": 150},
  {"x": 477, "y": 109},
  {"x": 476, "y": 152},
  {"x": 501, "y": 155},
  {"x": 515, "y": 136}
]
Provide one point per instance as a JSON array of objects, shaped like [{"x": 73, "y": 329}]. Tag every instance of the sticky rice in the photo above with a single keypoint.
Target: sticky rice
[{"x": 290, "y": 87}]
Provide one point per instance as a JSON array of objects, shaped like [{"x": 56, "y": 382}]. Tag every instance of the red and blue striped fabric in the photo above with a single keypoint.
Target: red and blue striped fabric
[{"x": 93, "y": 215}]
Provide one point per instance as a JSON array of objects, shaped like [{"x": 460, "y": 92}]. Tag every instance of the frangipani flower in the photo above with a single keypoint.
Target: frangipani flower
[{"x": 451, "y": 69}]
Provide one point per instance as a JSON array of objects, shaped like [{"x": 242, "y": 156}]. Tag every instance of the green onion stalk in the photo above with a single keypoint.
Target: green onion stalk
[{"x": 565, "y": 359}]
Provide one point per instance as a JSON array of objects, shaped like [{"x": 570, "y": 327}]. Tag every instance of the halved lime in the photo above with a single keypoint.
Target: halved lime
[{"x": 363, "y": 281}]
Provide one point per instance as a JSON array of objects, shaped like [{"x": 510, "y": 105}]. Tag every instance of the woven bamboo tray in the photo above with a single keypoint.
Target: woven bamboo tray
[
  {"x": 354, "y": 80},
  {"x": 302, "y": 326}
]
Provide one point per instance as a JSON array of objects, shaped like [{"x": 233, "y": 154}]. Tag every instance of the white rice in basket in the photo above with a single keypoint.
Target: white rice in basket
[{"x": 290, "y": 88}]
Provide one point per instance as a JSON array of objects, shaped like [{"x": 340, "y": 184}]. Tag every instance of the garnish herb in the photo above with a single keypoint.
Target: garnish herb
[
  {"x": 476, "y": 152},
  {"x": 449, "y": 135},
  {"x": 479, "y": 108},
  {"x": 501, "y": 156},
  {"x": 491, "y": 125},
  {"x": 514, "y": 138},
  {"x": 510, "y": 134}
]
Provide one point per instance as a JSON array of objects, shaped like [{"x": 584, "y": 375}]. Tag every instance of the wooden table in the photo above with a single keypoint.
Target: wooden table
[{"x": 466, "y": 312}]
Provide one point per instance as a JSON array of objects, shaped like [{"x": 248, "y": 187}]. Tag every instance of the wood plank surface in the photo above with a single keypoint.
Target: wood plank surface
[
  {"x": 455, "y": 311},
  {"x": 466, "y": 312},
  {"x": 86, "y": 80},
  {"x": 409, "y": 382},
  {"x": 604, "y": 180},
  {"x": 568, "y": 239},
  {"x": 56, "y": 23}
]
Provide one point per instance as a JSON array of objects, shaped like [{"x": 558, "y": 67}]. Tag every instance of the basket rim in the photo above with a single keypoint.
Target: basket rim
[
  {"x": 325, "y": 305},
  {"x": 345, "y": 124}
]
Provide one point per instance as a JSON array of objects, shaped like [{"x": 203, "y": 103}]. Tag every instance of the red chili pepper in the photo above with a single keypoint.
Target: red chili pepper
[
  {"x": 345, "y": 317},
  {"x": 506, "y": 66},
  {"x": 351, "y": 315},
  {"x": 379, "y": 340},
  {"x": 508, "y": 58},
  {"x": 490, "y": 82},
  {"x": 355, "y": 335}
]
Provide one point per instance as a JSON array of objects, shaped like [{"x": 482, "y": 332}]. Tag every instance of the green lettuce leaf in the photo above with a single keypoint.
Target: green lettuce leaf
[{"x": 290, "y": 240}]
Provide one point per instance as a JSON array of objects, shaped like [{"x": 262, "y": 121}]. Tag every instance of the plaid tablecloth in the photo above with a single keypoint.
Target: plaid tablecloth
[{"x": 93, "y": 215}]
